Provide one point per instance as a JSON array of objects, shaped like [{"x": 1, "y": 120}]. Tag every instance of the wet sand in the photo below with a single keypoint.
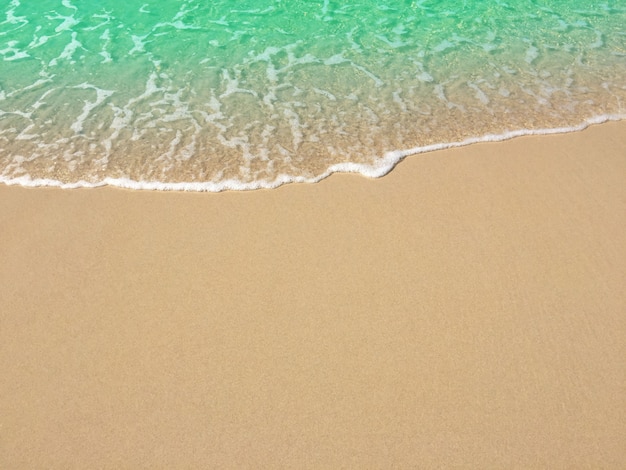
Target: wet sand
[{"x": 466, "y": 310}]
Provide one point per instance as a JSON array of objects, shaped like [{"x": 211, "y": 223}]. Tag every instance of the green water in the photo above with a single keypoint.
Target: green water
[{"x": 225, "y": 95}]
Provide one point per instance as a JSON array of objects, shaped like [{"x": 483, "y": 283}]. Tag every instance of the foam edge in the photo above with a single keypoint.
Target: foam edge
[{"x": 381, "y": 168}]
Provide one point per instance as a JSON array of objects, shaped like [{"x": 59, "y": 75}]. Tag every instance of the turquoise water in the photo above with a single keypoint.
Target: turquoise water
[{"x": 214, "y": 95}]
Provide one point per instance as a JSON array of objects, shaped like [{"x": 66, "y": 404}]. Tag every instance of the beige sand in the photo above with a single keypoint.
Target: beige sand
[{"x": 466, "y": 310}]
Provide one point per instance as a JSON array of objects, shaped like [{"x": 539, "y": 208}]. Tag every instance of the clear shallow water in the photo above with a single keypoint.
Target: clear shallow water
[{"x": 237, "y": 95}]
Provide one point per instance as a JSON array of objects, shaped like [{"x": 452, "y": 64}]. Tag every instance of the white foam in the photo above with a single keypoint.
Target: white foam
[
  {"x": 10, "y": 14},
  {"x": 68, "y": 22},
  {"x": 38, "y": 41},
  {"x": 383, "y": 166},
  {"x": 101, "y": 96},
  {"x": 67, "y": 4},
  {"x": 68, "y": 51},
  {"x": 138, "y": 44},
  {"x": 11, "y": 49}
]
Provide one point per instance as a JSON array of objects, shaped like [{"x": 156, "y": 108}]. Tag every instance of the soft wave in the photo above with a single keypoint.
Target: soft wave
[{"x": 381, "y": 168}]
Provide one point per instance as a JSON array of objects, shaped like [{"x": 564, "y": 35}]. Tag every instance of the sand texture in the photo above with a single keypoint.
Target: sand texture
[{"x": 468, "y": 310}]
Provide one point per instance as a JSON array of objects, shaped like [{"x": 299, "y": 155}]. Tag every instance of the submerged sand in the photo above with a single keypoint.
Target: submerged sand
[{"x": 468, "y": 309}]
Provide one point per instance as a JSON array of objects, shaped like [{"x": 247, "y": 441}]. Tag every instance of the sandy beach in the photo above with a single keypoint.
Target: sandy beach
[{"x": 467, "y": 310}]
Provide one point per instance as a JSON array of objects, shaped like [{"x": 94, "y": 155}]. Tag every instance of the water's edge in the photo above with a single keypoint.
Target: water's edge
[{"x": 383, "y": 166}]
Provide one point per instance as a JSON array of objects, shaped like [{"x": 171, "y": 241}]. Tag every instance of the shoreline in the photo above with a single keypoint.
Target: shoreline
[
  {"x": 467, "y": 309},
  {"x": 385, "y": 164}
]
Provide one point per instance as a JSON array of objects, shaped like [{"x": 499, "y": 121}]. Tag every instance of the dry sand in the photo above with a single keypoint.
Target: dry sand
[{"x": 467, "y": 310}]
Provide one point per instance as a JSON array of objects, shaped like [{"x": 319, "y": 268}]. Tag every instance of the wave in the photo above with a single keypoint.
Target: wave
[{"x": 381, "y": 167}]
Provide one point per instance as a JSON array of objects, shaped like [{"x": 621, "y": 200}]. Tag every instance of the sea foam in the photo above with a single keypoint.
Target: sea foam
[
  {"x": 382, "y": 166},
  {"x": 204, "y": 97}
]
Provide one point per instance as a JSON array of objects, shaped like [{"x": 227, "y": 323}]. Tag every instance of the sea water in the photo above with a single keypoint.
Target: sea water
[{"x": 223, "y": 94}]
